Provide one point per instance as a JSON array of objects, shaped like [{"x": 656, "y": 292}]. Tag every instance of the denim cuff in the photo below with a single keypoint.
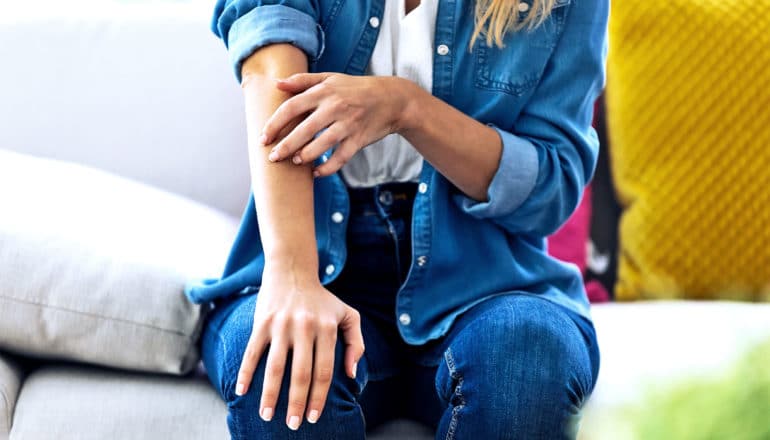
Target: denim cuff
[
  {"x": 271, "y": 24},
  {"x": 512, "y": 183}
]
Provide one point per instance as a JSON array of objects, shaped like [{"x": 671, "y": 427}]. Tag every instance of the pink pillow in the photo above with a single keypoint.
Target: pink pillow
[{"x": 569, "y": 244}]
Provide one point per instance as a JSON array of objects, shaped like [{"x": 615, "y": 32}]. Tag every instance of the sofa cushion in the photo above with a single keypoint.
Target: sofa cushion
[
  {"x": 93, "y": 266},
  {"x": 10, "y": 381},
  {"x": 98, "y": 404},
  {"x": 60, "y": 400},
  {"x": 687, "y": 101}
]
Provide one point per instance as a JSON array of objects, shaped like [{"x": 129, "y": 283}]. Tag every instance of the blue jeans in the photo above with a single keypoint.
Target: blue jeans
[{"x": 513, "y": 367}]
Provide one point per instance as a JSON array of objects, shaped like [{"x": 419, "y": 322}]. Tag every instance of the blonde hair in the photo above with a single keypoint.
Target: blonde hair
[{"x": 494, "y": 18}]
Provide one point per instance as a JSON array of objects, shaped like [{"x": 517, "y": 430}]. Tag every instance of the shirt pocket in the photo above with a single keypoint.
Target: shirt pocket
[{"x": 517, "y": 67}]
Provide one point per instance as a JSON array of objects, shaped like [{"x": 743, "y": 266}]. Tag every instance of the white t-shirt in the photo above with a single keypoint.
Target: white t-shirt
[{"x": 404, "y": 48}]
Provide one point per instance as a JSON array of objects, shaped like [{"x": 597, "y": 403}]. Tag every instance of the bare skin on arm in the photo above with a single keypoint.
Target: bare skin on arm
[{"x": 293, "y": 310}]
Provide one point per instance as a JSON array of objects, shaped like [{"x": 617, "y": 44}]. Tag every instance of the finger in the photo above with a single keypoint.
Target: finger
[
  {"x": 301, "y": 135},
  {"x": 300, "y": 82},
  {"x": 301, "y": 375},
  {"x": 274, "y": 369},
  {"x": 354, "y": 340},
  {"x": 318, "y": 146},
  {"x": 341, "y": 156},
  {"x": 251, "y": 356},
  {"x": 323, "y": 371},
  {"x": 285, "y": 113}
]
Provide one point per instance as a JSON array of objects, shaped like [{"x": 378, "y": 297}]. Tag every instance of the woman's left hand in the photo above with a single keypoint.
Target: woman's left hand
[{"x": 355, "y": 111}]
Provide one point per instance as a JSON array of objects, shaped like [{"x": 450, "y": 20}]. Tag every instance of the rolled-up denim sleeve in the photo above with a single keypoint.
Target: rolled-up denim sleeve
[
  {"x": 550, "y": 153},
  {"x": 247, "y": 25}
]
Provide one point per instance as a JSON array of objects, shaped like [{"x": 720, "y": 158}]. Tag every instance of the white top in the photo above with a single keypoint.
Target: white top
[{"x": 404, "y": 48}]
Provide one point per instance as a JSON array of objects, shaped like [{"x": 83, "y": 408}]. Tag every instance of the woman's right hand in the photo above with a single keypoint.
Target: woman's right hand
[{"x": 295, "y": 312}]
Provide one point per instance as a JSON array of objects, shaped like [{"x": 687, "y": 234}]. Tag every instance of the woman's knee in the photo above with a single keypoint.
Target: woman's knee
[
  {"x": 521, "y": 361},
  {"x": 224, "y": 341}
]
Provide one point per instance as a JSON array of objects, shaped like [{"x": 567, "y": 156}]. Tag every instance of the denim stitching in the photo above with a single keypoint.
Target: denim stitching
[{"x": 449, "y": 358}]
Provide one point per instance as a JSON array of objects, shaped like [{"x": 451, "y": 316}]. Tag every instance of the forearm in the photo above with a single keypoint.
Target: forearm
[
  {"x": 283, "y": 192},
  {"x": 462, "y": 149}
]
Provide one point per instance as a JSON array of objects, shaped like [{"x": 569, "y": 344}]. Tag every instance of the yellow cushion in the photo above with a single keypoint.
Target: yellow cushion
[{"x": 688, "y": 103}]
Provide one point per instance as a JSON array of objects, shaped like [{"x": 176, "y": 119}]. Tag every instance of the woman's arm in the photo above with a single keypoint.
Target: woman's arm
[
  {"x": 283, "y": 194},
  {"x": 464, "y": 150},
  {"x": 293, "y": 310}
]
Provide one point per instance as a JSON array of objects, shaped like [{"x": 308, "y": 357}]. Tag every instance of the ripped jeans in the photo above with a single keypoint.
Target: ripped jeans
[{"x": 513, "y": 367}]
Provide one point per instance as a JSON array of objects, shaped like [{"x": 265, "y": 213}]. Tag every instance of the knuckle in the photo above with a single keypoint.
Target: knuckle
[
  {"x": 328, "y": 326},
  {"x": 250, "y": 354},
  {"x": 274, "y": 371},
  {"x": 296, "y": 403},
  {"x": 281, "y": 320},
  {"x": 304, "y": 319},
  {"x": 358, "y": 114},
  {"x": 288, "y": 106},
  {"x": 324, "y": 375},
  {"x": 302, "y": 377},
  {"x": 339, "y": 104},
  {"x": 269, "y": 396}
]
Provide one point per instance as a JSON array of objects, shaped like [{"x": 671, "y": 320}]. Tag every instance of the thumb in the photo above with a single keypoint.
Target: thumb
[
  {"x": 300, "y": 82},
  {"x": 354, "y": 340}
]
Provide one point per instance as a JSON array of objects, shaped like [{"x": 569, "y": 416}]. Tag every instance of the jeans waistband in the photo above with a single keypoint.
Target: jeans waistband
[{"x": 392, "y": 199}]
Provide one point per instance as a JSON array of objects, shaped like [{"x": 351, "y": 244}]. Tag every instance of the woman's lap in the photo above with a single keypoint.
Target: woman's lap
[{"x": 518, "y": 358}]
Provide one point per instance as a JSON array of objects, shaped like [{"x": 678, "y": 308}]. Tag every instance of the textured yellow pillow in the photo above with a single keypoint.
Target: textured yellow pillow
[{"x": 688, "y": 101}]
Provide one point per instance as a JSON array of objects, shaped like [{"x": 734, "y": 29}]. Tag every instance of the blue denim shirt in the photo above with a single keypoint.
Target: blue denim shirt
[{"x": 537, "y": 92}]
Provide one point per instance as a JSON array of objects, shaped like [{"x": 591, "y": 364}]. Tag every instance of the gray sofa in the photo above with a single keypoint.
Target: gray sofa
[{"x": 142, "y": 89}]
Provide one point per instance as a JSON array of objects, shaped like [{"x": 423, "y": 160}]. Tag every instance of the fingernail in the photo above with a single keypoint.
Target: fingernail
[
  {"x": 316, "y": 174},
  {"x": 273, "y": 157},
  {"x": 355, "y": 367},
  {"x": 267, "y": 414},
  {"x": 294, "y": 423},
  {"x": 263, "y": 139},
  {"x": 240, "y": 389},
  {"x": 313, "y": 416},
  {"x": 297, "y": 160}
]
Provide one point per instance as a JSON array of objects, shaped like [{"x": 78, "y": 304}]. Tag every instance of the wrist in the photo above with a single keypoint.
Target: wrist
[
  {"x": 299, "y": 269},
  {"x": 407, "y": 110}
]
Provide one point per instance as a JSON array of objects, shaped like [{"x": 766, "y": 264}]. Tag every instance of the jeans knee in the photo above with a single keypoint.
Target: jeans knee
[{"x": 520, "y": 365}]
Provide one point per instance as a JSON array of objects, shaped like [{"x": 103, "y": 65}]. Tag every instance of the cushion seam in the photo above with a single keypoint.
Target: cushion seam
[
  {"x": 4, "y": 395},
  {"x": 93, "y": 315}
]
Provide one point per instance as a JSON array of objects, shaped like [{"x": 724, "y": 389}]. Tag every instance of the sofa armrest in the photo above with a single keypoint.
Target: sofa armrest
[{"x": 11, "y": 375}]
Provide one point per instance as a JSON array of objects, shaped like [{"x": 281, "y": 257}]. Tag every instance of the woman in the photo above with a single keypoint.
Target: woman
[{"x": 403, "y": 190}]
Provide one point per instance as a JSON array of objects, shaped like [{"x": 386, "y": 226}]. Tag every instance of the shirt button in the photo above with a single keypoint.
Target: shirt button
[
  {"x": 405, "y": 319},
  {"x": 422, "y": 187},
  {"x": 523, "y": 7},
  {"x": 329, "y": 269},
  {"x": 421, "y": 260},
  {"x": 337, "y": 217},
  {"x": 374, "y": 22},
  {"x": 442, "y": 50}
]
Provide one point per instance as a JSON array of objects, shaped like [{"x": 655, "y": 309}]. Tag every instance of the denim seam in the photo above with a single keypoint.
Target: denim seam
[
  {"x": 449, "y": 358},
  {"x": 225, "y": 384}
]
